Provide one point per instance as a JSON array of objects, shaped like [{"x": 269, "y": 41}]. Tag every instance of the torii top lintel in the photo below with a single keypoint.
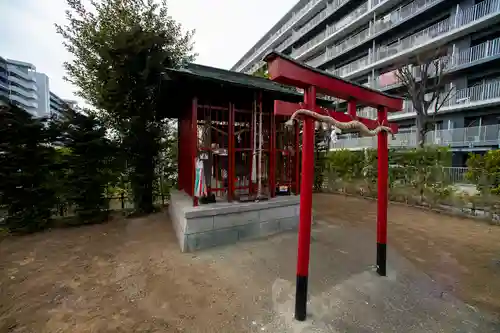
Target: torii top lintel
[{"x": 286, "y": 70}]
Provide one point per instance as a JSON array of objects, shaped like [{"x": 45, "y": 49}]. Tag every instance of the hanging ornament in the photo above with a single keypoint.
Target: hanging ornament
[
  {"x": 317, "y": 125},
  {"x": 333, "y": 134}
]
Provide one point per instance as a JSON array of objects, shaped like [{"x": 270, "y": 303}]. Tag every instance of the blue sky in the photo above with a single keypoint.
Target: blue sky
[{"x": 225, "y": 30}]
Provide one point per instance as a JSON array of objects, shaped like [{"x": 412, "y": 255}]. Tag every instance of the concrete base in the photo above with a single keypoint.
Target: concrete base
[{"x": 225, "y": 223}]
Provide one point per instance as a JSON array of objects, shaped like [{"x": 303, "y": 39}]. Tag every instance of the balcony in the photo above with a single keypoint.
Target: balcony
[
  {"x": 474, "y": 136},
  {"x": 468, "y": 137},
  {"x": 481, "y": 95},
  {"x": 315, "y": 62},
  {"x": 385, "y": 23},
  {"x": 490, "y": 48},
  {"x": 27, "y": 85},
  {"x": 28, "y": 94},
  {"x": 460, "y": 58},
  {"x": 353, "y": 66},
  {"x": 419, "y": 38},
  {"x": 285, "y": 28},
  {"x": 330, "y": 31},
  {"x": 30, "y": 77},
  {"x": 320, "y": 17},
  {"x": 23, "y": 102},
  {"x": 472, "y": 18},
  {"x": 485, "y": 94}
]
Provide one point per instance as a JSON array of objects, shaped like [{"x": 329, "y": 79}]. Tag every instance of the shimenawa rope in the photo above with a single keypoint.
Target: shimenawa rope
[{"x": 353, "y": 124}]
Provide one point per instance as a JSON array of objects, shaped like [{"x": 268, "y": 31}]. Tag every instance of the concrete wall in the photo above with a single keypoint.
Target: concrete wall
[
  {"x": 43, "y": 90},
  {"x": 226, "y": 223}
]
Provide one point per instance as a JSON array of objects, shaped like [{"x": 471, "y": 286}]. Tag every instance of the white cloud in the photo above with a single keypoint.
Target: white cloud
[{"x": 225, "y": 30}]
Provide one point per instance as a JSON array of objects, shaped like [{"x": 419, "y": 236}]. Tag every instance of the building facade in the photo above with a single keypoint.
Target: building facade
[
  {"x": 43, "y": 92},
  {"x": 18, "y": 84},
  {"x": 58, "y": 105},
  {"x": 22, "y": 84},
  {"x": 366, "y": 41}
]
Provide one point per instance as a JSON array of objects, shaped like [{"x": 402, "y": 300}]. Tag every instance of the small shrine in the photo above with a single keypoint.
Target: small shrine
[{"x": 239, "y": 162}]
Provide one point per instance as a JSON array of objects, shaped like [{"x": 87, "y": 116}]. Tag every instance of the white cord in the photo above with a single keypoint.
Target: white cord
[{"x": 353, "y": 124}]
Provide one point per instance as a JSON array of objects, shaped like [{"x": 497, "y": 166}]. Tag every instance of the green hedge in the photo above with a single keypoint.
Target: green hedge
[{"x": 416, "y": 176}]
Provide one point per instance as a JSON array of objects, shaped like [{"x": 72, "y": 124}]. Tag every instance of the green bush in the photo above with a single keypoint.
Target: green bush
[
  {"x": 414, "y": 174},
  {"x": 484, "y": 171}
]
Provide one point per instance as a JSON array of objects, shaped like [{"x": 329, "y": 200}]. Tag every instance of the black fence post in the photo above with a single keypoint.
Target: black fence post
[{"x": 122, "y": 197}]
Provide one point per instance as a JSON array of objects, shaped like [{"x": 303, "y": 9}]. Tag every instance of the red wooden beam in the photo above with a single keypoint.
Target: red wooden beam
[
  {"x": 288, "y": 71},
  {"x": 287, "y": 109}
]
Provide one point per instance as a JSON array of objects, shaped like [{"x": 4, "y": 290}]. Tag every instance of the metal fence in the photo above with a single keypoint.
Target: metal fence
[
  {"x": 456, "y": 175},
  {"x": 469, "y": 137},
  {"x": 447, "y": 175}
]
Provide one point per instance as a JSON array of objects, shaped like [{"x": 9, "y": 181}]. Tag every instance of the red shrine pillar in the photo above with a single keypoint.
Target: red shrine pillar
[
  {"x": 193, "y": 138},
  {"x": 272, "y": 155},
  {"x": 382, "y": 200},
  {"x": 179, "y": 148},
  {"x": 230, "y": 155},
  {"x": 351, "y": 108},
  {"x": 306, "y": 187}
]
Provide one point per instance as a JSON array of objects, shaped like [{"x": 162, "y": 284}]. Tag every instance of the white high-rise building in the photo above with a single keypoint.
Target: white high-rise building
[
  {"x": 18, "y": 84},
  {"x": 22, "y": 84},
  {"x": 365, "y": 41}
]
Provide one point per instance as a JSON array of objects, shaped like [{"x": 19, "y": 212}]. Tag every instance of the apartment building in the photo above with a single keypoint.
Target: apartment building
[
  {"x": 23, "y": 85},
  {"x": 58, "y": 104},
  {"x": 366, "y": 41},
  {"x": 18, "y": 83}
]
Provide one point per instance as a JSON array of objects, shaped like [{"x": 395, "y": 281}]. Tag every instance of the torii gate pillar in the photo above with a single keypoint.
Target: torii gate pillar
[
  {"x": 305, "y": 215},
  {"x": 286, "y": 70}
]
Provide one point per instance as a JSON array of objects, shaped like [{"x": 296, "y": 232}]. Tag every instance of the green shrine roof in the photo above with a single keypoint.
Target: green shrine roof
[{"x": 237, "y": 79}]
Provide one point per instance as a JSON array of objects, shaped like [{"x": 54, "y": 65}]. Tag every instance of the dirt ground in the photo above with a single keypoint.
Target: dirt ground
[
  {"x": 461, "y": 254},
  {"x": 124, "y": 276},
  {"x": 129, "y": 275}
]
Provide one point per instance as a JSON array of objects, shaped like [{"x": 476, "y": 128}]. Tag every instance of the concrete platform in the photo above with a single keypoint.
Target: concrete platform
[{"x": 226, "y": 223}]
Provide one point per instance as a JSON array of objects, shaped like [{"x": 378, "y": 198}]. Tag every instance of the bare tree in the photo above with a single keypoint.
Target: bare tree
[{"x": 425, "y": 85}]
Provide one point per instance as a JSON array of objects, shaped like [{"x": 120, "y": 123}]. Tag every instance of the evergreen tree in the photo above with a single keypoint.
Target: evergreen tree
[
  {"x": 121, "y": 49},
  {"x": 25, "y": 170},
  {"x": 90, "y": 160}
]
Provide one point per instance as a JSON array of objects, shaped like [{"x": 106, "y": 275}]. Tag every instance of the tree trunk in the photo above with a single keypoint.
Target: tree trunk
[{"x": 421, "y": 130}]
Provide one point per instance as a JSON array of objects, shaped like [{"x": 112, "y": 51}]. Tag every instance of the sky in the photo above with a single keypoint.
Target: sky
[{"x": 225, "y": 31}]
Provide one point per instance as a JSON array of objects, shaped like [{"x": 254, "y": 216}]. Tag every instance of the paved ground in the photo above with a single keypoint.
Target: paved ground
[
  {"x": 128, "y": 276},
  {"x": 462, "y": 254}
]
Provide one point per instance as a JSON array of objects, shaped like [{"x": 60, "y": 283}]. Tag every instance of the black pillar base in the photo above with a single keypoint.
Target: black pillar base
[
  {"x": 382, "y": 259},
  {"x": 301, "y": 298}
]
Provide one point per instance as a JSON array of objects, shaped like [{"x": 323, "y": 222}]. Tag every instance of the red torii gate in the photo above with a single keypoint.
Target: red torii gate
[{"x": 286, "y": 70}]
